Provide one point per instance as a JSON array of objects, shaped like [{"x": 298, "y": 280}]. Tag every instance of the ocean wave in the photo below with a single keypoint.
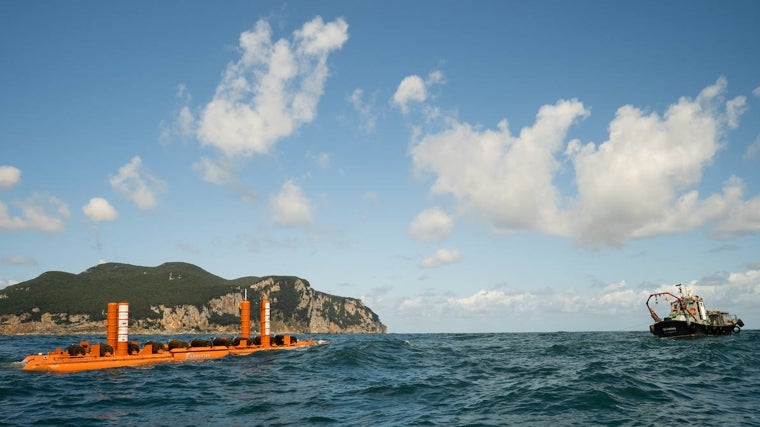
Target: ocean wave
[{"x": 628, "y": 378}]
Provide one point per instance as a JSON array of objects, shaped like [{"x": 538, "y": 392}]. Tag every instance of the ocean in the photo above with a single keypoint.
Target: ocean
[{"x": 563, "y": 378}]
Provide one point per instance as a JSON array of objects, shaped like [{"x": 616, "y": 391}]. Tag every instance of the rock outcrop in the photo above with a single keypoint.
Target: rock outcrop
[{"x": 295, "y": 308}]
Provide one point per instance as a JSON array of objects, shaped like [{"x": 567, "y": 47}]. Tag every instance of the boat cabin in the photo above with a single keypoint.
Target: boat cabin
[{"x": 695, "y": 309}]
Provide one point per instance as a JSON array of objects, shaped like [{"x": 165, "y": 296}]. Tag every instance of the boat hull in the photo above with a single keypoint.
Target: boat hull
[
  {"x": 62, "y": 362},
  {"x": 680, "y": 329}
]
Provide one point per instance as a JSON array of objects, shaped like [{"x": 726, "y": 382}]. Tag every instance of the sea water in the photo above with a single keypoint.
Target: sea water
[{"x": 590, "y": 378}]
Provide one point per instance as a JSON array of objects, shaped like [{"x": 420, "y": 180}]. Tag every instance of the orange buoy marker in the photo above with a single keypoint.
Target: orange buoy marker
[
  {"x": 85, "y": 357},
  {"x": 112, "y": 325},
  {"x": 245, "y": 320}
]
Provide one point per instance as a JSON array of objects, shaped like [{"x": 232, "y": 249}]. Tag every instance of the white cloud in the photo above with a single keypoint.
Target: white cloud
[
  {"x": 734, "y": 109},
  {"x": 183, "y": 123},
  {"x": 186, "y": 122},
  {"x": 366, "y": 114},
  {"x": 638, "y": 183},
  {"x": 218, "y": 171},
  {"x": 441, "y": 257},
  {"x": 494, "y": 300},
  {"x": 411, "y": 89},
  {"x": 41, "y": 213},
  {"x": 431, "y": 225},
  {"x": 98, "y": 209},
  {"x": 9, "y": 176},
  {"x": 629, "y": 184},
  {"x": 414, "y": 89},
  {"x": 290, "y": 207},
  {"x": 135, "y": 183},
  {"x": 183, "y": 93},
  {"x": 756, "y": 91},
  {"x": 614, "y": 298},
  {"x": 728, "y": 212},
  {"x": 222, "y": 171},
  {"x": 322, "y": 160},
  {"x": 753, "y": 149},
  {"x": 272, "y": 89},
  {"x": 735, "y": 216},
  {"x": 492, "y": 174},
  {"x": 435, "y": 78},
  {"x": 36, "y": 215}
]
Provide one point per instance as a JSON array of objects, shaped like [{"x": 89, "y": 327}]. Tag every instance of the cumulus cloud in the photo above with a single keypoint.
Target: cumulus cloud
[
  {"x": 431, "y": 225},
  {"x": 734, "y": 215},
  {"x": 41, "y": 213},
  {"x": 441, "y": 257},
  {"x": 9, "y": 176},
  {"x": 639, "y": 182},
  {"x": 414, "y": 89},
  {"x": 631, "y": 184},
  {"x": 98, "y": 209},
  {"x": 411, "y": 89},
  {"x": 135, "y": 183},
  {"x": 505, "y": 179},
  {"x": 290, "y": 207},
  {"x": 272, "y": 89}
]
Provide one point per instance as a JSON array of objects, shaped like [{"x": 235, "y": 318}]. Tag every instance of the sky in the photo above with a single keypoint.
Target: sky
[{"x": 491, "y": 166}]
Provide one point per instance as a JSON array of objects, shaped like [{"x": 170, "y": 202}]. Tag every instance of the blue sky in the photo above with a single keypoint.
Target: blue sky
[{"x": 460, "y": 167}]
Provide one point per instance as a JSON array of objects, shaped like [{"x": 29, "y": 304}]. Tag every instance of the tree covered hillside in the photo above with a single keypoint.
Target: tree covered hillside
[{"x": 173, "y": 296}]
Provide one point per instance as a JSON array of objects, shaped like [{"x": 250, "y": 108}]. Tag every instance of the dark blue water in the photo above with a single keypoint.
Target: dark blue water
[{"x": 628, "y": 378}]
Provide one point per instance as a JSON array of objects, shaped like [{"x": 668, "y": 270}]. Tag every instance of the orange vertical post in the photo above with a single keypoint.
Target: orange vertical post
[
  {"x": 245, "y": 319},
  {"x": 264, "y": 321},
  {"x": 112, "y": 324},
  {"x": 122, "y": 341}
]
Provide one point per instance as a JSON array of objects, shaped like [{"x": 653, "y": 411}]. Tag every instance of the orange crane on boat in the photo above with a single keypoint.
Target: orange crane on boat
[{"x": 120, "y": 352}]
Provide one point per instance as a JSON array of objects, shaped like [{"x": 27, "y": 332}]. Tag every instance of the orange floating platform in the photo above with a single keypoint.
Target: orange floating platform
[{"x": 120, "y": 352}]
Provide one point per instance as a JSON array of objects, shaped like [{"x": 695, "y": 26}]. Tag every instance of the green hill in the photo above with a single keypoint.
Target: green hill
[{"x": 156, "y": 294}]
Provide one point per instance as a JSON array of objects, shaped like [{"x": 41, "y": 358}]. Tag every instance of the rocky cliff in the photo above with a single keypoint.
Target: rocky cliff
[{"x": 159, "y": 304}]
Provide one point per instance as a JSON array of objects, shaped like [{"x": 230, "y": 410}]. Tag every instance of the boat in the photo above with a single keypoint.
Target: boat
[
  {"x": 689, "y": 317},
  {"x": 119, "y": 351}
]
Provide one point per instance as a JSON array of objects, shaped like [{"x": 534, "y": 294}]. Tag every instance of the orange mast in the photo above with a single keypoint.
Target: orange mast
[
  {"x": 112, "y": 324},
  {"x": 245, "y": 320}
]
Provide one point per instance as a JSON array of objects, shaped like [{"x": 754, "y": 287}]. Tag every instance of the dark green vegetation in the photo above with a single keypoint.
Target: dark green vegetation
[{"x": 173, "y": 284}]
